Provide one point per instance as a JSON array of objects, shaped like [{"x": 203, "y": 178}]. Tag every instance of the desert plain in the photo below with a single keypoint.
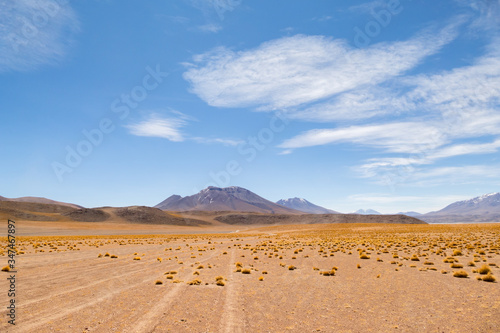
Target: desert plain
[{"x": 89, "y": 277}]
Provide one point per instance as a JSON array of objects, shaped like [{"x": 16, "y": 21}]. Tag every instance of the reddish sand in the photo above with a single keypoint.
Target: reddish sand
[{"x": 63, "y": 286}]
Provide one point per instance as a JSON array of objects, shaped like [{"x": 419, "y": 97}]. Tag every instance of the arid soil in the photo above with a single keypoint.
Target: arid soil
[{"x": 301, "y": 278}]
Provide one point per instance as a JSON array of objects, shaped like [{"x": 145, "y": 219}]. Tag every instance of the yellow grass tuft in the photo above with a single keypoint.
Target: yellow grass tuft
[
  {"x": 485, "y": 269},
  {"x": 460, "y": 274},
  {"x": 159, "y": 282},
  {"x": 261, "y": 278},
  {"x": 6, "y": 269},
  {"x": 195, "y": 282},
  {"x": 489, "y": 278},
  {"x": 246, "y": 271},
  {"x": 137, "y": 258}
]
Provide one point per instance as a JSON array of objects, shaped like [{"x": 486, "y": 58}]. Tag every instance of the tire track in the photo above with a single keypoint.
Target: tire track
[
  {"x": 148, "y": 322},
  {"x": 231, "y": 320},
  {"x": 44, "y": 319}
]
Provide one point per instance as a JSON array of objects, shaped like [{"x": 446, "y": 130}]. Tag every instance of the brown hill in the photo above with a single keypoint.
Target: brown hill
[
  {"x": 32, "y": 211},
  {"x": 40, "y": 201},
  {"x": 88, "y": 215},
  {"x": 262, "y": 219},
  {"x": 148, "y": 215}
]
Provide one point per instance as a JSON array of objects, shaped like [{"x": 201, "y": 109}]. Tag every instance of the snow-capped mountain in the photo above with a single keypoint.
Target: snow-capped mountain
[
  {"x": 305, "y": 206},
  {"x": 485, "y": 208},
  {"x": 224, "y": 199},
  {"x": 484, "y": 204},
  {"x": 367, "y": 212}
]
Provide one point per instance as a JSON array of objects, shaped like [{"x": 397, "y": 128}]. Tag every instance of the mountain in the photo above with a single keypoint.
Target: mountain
[
  {"x": 485, "y": 208},
  {"x": 40, "y": 200},
  {"x": 305, "y": 206},
  {"x": 224, "y": 199},
  {"x": 366, "y": 212},
  {"x": 412, "y": 214}
]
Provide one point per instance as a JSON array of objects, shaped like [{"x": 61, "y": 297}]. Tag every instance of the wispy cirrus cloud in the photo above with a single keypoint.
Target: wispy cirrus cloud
[
  {"x": 225, "y": 142},
  {"x": 172, "y": 128},
  {"x": 160, "y": 127},
  {"x": 34, "y": 33},
  {"x": 294, "y": 71},
  {"x": 393, "y": 137},
  {"x": 212, "y": 28},
  {"x": 415, "y": 119}
]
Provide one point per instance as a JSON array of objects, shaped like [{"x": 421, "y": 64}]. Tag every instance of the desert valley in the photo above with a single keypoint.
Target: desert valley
[{"x": 228, "y": 260}]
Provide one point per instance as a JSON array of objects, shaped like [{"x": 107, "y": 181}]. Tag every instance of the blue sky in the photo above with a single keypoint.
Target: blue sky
[{"x": 386, "y": 104}]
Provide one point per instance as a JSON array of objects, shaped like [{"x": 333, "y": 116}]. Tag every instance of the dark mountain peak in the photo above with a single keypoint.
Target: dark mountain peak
[{"x": 231, "y": 198}]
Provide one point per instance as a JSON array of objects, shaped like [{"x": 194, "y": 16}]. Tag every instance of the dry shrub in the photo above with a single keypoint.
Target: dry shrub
[
  {"x": 195, "y": 282},
  {"x": 460, "y": 274},
  {"x": 483, "y": 270},
  {"x": 489, "y": 278}
]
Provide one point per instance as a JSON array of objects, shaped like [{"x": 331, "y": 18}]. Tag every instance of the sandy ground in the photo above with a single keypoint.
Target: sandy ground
[{"x": 63, "y": 285}]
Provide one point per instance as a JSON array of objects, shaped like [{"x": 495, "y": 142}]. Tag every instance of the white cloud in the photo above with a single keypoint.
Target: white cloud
[
  {"x": 225, "y": 142},
  {"x": 293, "y": 71},
  {"x": 320, "y": 79},
  {"x": 392, "y": 137},
  {"x": 466, "y": 149},
  {"x": 34, "y": 33},
  {"x": 156, "y": 126},
  {"x": 455, "y": 175},
  {"x": 285, "y": 152},
  {"x": 487, "y": 13},
  {"x": 213, "y": 28},
  {"x": 367, "y": 7},
  {"x": 170, "y": 128}
]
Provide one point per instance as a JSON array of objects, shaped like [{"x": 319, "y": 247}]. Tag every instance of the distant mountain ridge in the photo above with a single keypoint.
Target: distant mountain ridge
[
  {"x": 367, "y": 212},
  {"x": 232, "y": 198},
  {"x": 305, "y": 206},
  {"x": 412, "y": 214},
  {"x": 484, "y": 208}
]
